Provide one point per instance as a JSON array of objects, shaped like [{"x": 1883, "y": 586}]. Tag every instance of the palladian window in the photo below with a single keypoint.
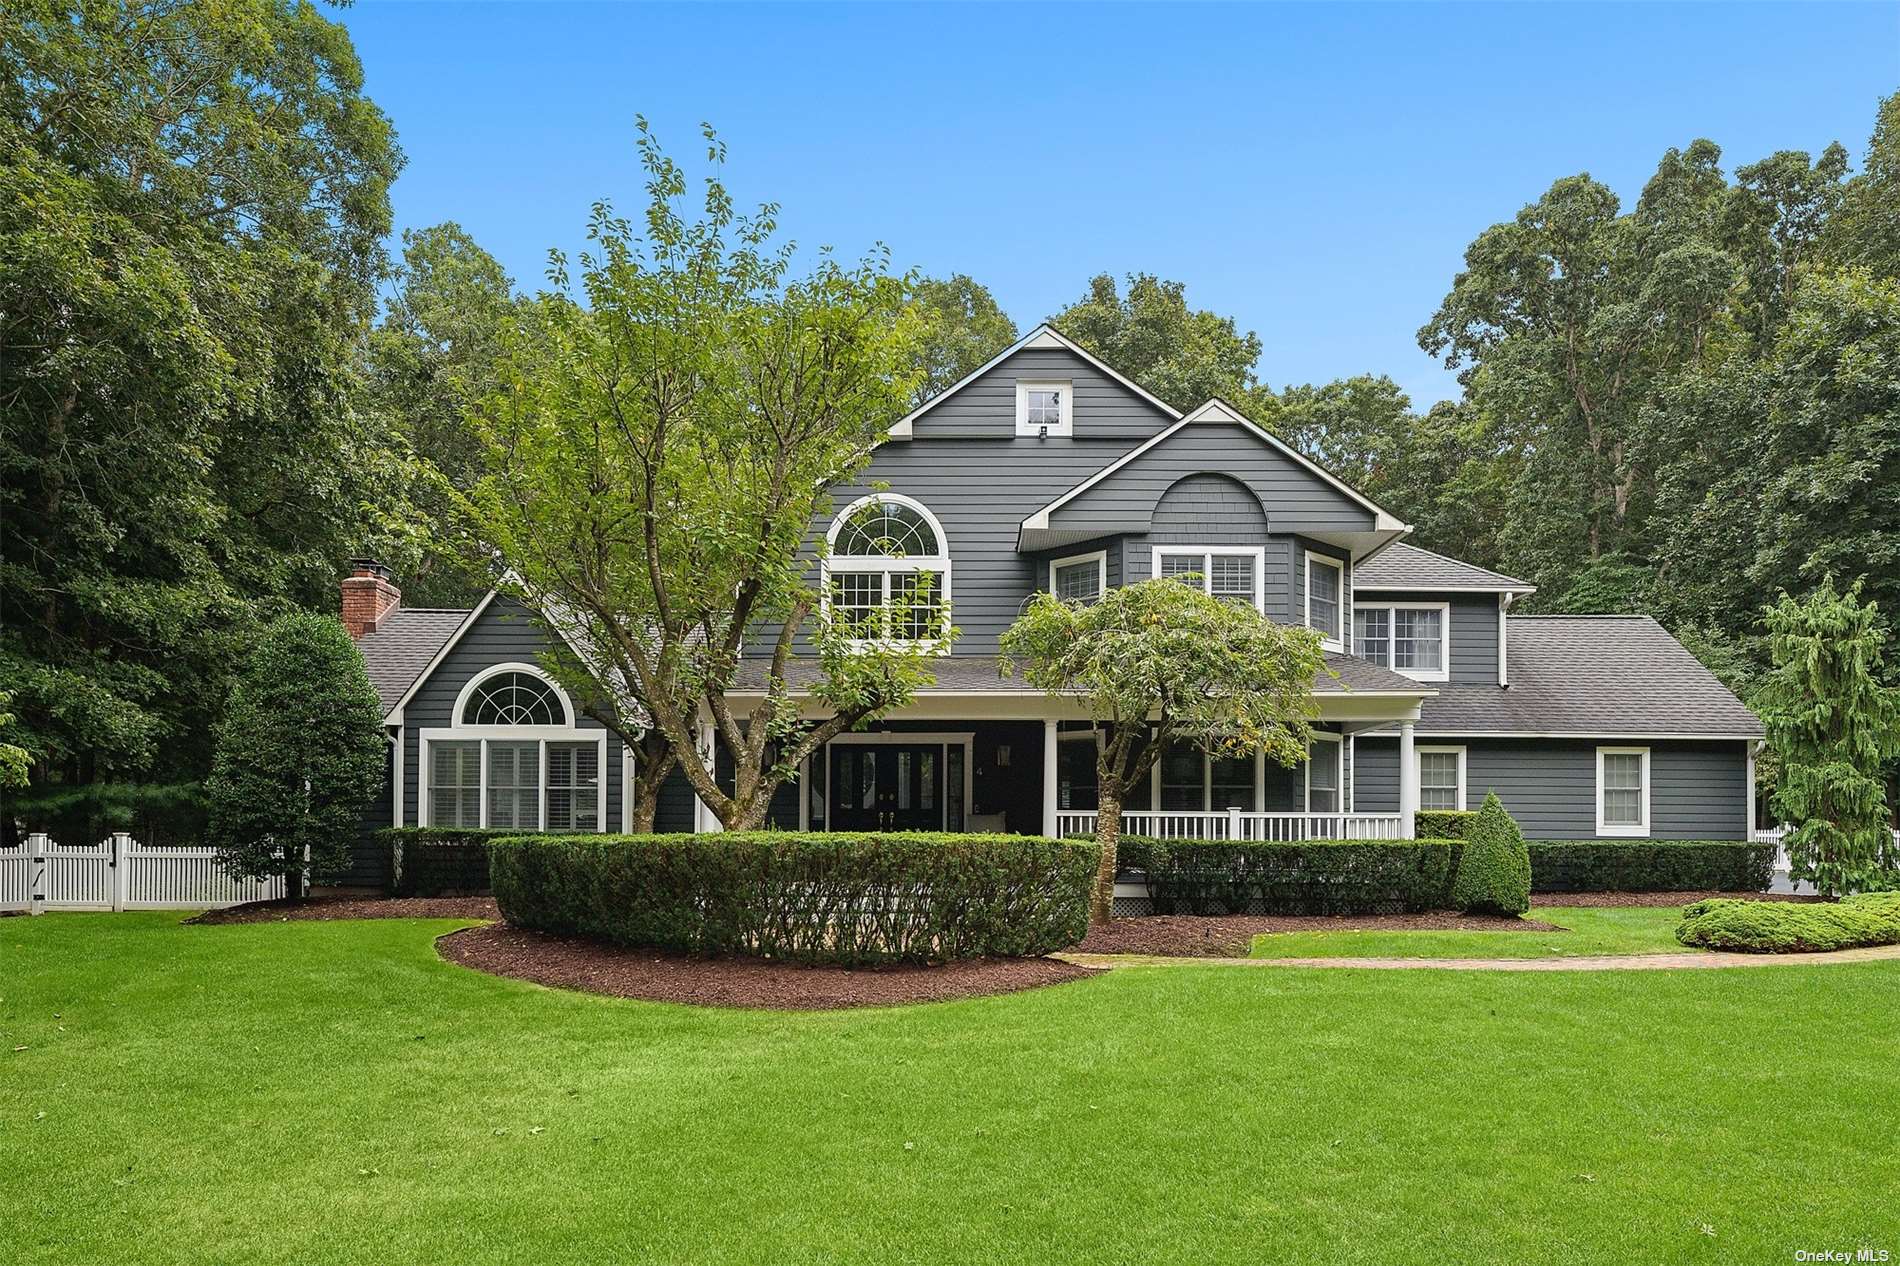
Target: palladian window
[{"x": 514, "y": 759}]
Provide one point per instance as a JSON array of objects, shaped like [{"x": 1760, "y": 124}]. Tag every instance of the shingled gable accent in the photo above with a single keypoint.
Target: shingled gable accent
[
  {"x": 1215, "y": 412},
  {"x": 1044, "y": 337}
]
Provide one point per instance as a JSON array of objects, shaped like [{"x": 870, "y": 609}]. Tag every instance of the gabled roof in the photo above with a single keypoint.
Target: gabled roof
[
  {"x": 1218, "y": 412},
  {"x": 1043, "y": 337},
  {"x": 1593, "y": 676},
  {"x": 404, "y": 645},
  {"x": 1403, "y": 566}
]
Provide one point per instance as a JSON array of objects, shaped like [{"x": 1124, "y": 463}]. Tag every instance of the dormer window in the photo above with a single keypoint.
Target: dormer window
[{"x": 1044, "y": 408}]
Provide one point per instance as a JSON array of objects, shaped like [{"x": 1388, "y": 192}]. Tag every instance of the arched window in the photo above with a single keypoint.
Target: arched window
[
  {"x": 515, "y": 758},
  {"x": 887, "y": 576},
  {"x": 512, "y": 698}
]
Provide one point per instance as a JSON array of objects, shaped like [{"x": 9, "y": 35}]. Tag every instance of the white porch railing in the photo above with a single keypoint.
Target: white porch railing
[
  {"x": 119, "y": 873},
  {"x": 1240, "y": 824}
]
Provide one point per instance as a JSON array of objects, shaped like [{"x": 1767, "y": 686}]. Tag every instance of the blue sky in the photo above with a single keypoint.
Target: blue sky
[{"x": 1315, "y": 171}]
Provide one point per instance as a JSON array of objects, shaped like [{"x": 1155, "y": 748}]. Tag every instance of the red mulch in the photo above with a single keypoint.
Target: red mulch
[
  {"x": 567, "y": 963},
  {"x": 287, "y": 910},
  {"x": 1231, "y": 936},
  {"x": 1653, "y": 898}
]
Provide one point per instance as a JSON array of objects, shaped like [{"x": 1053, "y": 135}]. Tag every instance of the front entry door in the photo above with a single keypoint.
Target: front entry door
[{"x": 887, "y": 787}]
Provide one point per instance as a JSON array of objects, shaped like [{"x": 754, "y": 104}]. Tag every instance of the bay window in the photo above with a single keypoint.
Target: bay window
[
  {"x": 1325, "y": 585},
  {"x": 1234, "y": 573}
]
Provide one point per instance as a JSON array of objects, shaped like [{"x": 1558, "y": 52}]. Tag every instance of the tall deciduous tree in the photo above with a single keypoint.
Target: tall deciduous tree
[
  {"x": 963, "y": 328},
  {"x": 1183, "y": 355},
  {"x": 659, "y": 456},
  {"x": 1159, "y": 662},
  {"x": 192, "y": 200},
  {"x": 1834, "y": 726},
  {"x": 300, "y": 754}
]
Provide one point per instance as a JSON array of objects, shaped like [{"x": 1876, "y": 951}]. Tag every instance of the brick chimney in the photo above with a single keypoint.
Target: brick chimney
[{"x": 369, "y": 596}]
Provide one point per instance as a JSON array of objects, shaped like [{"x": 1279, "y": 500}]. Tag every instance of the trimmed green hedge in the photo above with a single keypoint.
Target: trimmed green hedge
[
  {"x": 438, "y": 861},
  {"x": 804, "y": 896},
  {"x": 1307, "y": 877},
  {"x": 1650, "y": 866},
  {"x": 1442, "y": 824},
  {"x": 1789, "y": 927}
]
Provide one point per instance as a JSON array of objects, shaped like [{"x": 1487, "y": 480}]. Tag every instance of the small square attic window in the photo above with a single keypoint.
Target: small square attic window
[{"x": 1044, "y": 408}]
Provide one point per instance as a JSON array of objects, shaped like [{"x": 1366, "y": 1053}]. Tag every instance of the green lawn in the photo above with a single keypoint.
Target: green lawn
[
  {"x": 336, "y": 1093},
  {"x": 1587, "y": 930}
]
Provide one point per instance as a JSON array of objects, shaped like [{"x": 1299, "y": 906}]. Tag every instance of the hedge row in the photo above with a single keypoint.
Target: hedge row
[
  {"x": 1650, "y": 866},
  {"x": 438, "y": 861},
  {"x": 1307, "y": 877},
  {"x": 1785, "y": 927},
  {"x": 803, "y": 896}
]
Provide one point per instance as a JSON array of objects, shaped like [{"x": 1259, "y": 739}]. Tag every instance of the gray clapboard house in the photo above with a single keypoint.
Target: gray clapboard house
[{"x": 1048, "y": 470}]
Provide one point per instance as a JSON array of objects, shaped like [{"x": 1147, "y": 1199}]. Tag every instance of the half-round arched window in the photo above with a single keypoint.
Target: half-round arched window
[
  {"x": 887, "y": 575},
  {"x": 514, "y": 698}
]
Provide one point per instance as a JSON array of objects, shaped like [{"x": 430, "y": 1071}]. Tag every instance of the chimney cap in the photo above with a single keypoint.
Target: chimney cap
[{"x": 369, "y": 567}]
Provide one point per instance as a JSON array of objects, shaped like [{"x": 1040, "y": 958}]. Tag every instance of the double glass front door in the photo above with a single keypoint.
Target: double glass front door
[{"x": 887, "y": 787}]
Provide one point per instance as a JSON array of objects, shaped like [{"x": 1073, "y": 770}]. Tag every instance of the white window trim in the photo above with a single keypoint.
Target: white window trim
[
  {"x": 937, "y": 564},
  {"x": 1035, "y": 429},
  {"x": 1640, "y": 830},
  {"x": 1419, "y": 754},
  {"x": 1339, "y": 772},
  {"x": 1099, "y": 558},
  {"x": 1206, "y": 554},
  {"x": 541, "y": 735},
  {"x": 1391, "y": 609},
  {"x": 1337, "y": 642},
  {"x": 468, "y": 691}
]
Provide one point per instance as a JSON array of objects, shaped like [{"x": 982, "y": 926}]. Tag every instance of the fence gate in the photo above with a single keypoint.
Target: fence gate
[{"x": 119, "y": 873}]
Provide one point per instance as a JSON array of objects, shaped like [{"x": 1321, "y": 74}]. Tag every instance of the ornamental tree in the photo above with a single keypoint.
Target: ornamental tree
[
  {"x": 1160, "y": 662},
  {"x": 1834, "y": 726},
  {"x": 658, "y": 451},
  {"x": 300, "y": 753}
]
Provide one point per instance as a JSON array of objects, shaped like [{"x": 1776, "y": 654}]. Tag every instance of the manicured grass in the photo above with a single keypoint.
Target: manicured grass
[
  {"x": 335, "y": 1092},
  {"x": 1587, "y": 930}
]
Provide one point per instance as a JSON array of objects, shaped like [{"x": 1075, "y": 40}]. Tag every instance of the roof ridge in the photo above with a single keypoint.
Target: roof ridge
[{"x": 1586, "y": 615}]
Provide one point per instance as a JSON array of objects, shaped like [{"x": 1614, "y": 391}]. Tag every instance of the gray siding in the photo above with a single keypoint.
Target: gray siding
[
  {"x": 1295, "y": 499},
  {"x": 1474, "y": 632},
  {"x": 1697, "y": 790},
  {"x": 986, "y": 408},
  {"x": 504, "y": 633}
]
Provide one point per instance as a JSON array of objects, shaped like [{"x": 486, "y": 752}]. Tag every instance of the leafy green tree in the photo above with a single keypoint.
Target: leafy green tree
[
  {"x": 1185, "y": 356},
  {"x": 15, "y": 761},
  {"x": 1159, "y": 662},
  {"x": 300, "y": 754},
  {"x": 963, "y": 329},
  {"x": 1865, "y": 232},
  {"x": 1834, "y": 727},
  {"x": 657, "y": 458},
  {"x": 1494, "y": 869},
  {"x": 1775, "y": 220},
  {"x": 432, "y": 357},
  {"x": 192, "y": 202}
]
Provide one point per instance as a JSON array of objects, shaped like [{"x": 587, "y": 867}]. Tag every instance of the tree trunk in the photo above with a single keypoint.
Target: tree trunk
[{"x": 1108, "y": 833}]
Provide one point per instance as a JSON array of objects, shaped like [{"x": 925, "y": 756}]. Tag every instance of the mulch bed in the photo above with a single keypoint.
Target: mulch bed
[
  {"x": 1653, "y": 898},
  {"x": 289, "y": 910},
  {"x": 1231, "y": 936},
  {"x": 621, "y": 972}
]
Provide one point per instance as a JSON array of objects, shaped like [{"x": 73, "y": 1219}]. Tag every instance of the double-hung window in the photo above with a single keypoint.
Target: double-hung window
[
  {"x": 1234, "y": 573},
  {"x": 1407, "y": 637},
  {"x": 887, "y": 574},
  {"x": 1079, "y": 579},
  {"x": 1441, "y": 777},
  {"x": 1623, "y": 791},
  {"x": 1322, "y": 775},
  {"x": 1325, "y": 585},
  {"x": 513, "y": 758}
]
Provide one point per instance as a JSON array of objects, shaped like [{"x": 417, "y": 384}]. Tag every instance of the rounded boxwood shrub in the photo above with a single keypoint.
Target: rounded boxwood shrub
[
  {"x": 1494, "y": 872},
  {"x": 803, "y": 896},
  {"x": 1791, "y": 927}
]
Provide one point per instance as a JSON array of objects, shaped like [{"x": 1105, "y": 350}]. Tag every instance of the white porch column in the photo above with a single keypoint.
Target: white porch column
[
  {"x": 1408, "y": 781},
  {"x": 1050, "y": 764},
  {"x": 704, "y": 819}
]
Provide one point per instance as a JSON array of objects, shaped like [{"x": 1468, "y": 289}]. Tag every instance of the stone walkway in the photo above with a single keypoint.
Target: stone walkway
[{"x": 1582, "y": 962}]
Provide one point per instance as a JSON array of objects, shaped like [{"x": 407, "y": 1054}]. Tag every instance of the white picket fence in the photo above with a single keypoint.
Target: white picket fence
[
  {"x": 1783, "y": 881},
  {"x": 119, "y": 873}
]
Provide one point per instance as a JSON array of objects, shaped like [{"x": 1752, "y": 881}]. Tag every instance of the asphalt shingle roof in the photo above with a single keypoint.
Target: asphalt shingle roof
[
  {"x": 983, "y": 673},
  {"x": 402, "y": 646},
  {"x": 1593, "y": 675},
  {"x": 1402, "y": 566}
]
